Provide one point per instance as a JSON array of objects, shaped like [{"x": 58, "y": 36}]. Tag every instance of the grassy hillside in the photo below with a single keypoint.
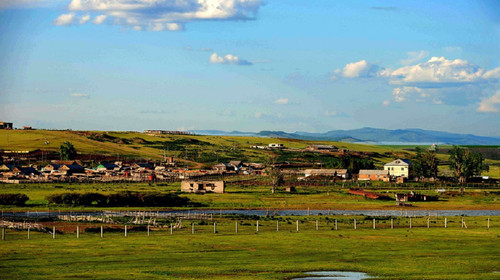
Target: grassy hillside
[{"x": 199, "y": 148}]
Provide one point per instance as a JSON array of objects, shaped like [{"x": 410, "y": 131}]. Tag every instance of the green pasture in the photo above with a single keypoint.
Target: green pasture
[
  {"x": 384, "y": 253},
  {"x": 244, "y": 197}
]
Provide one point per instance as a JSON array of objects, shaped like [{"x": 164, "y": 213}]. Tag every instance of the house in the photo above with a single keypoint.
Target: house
[
  {"x": 24, "y": 171},
  {"x": 107, "y": 167},
  {"x": 203, "y": 186},
  {"x": 142, "y": 166},
  {"x": 70, "y": 169},
  {"x": 51, "y": 167},
  {"x": 322, "y": 148},
  {"x": 276, "y": 146},
  {"x": 220, "y": 167},
  {"x": 398, "y": 168},
  {"x": 341, "y": 173},
  {"x": 6, "y": 125},
  {"x": 6, "y": 167},
  {"x": 235, "y": 164},
  {"x": 373, "y": 175}
]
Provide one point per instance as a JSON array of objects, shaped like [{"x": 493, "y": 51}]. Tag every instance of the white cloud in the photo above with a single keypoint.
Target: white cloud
[
  {"x": 99, "y": 19},
  {"x": 359, "y": 69},
  {"x": 170, "y": 15},
  {"x": 258, "y": 115},
  {"x": 386, "y": 103},
  {"x": 282, "y": 101},
  {"x": 84, "y": 19},
  {"x": 65, "y": 19},
  {"x": 438, "y": 71},
  {"x": 414, "y": 57},
  {"x": 490, "y": 104},
  {"x": 228, "y": 59}
]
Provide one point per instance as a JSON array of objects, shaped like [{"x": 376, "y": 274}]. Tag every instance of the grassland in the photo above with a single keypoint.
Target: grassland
[
  {"x": 401, "y": 253},
  {"x": 135, "y": 144},
  {"x": 260, "y": 197}
]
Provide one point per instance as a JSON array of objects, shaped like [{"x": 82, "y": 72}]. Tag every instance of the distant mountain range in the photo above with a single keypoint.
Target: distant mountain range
[{"x": 371, "y": 135}]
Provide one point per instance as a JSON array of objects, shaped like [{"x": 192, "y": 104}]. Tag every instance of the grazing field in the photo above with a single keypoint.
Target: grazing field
[
  {"x": 244, "y": 197},
  {"x": 402, "y": 253}
]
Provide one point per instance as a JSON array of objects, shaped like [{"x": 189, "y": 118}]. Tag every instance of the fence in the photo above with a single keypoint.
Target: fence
[{"x": 282, "y": 224}]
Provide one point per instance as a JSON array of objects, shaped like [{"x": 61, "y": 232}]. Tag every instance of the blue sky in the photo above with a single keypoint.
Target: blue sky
[{"x": 251, "y": 65}]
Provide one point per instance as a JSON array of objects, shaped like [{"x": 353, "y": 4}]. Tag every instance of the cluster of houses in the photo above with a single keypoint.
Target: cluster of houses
[
  {"x": 146, "y": 171},
  {"x": 398, "y": 169},
  {"x": 106, "y": 171},
  {"x": 237, "y": 166}
]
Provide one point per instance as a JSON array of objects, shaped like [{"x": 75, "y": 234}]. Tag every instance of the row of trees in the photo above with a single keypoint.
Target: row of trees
[{"x": 463, "y": 162}]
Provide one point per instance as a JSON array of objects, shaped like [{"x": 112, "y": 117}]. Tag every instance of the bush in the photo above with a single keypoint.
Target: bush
[
  {"x": 18, "y": 199},
  {"x": 119, "y": 199}
]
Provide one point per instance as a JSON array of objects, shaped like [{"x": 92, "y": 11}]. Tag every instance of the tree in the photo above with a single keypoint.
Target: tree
[
  {"x": 424, "y": 165},
  {"x": 466, "y": 163},
  {"x": 67, "y": 151},
  {"x": 275, "y": 174}
]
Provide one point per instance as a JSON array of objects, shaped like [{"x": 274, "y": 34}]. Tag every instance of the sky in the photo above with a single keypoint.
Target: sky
[{"x": 251, "y": 65}]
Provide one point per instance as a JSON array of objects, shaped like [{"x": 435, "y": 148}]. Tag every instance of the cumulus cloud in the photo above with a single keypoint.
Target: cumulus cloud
[
  {"x": 360, "y": 69},
  {"x": 65, "y": 19},
  {"x": 414, "y": 57},
  {"x": 99, "y": 19},
  {"x": 490, "y": 104},
  {"x": 159, "y": 15},
  {"x": 402, "y": 93},
  {"x": 439, "y": 71},
  {"x": 386, "y": 103},
  {"x": 84, "y": 19},
  {"x": 282, "y": 101},
  {"x": 228, "y": 59}
]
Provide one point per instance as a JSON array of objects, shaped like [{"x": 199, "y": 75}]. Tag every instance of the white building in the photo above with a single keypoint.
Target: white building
[{"x": 398, "y": 168}]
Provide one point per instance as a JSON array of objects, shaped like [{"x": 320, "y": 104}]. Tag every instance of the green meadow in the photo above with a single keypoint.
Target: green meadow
[
  {"x": 384, "y": 253},
  {"x": 247, "y": 196}
]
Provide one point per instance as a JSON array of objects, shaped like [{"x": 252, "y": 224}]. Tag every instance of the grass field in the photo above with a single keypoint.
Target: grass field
[
  {"x": 137, "y": 144},
  {"x": 244, "y": 197},
  {"x": 402, "y": 253}
]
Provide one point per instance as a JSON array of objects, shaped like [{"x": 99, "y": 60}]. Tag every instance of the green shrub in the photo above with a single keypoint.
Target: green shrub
[{"x": 18, "y": 199}]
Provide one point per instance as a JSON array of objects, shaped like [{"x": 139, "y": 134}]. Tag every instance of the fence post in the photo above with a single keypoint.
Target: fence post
[
  {"x": 392, "y": 223},
  {"x": 236, "y": 226},
  {"x": 54, "y": 232},
  {"x": 488, "y": 225},
  {"x": 277, "y": 225},
  {"x": 445, "y": 222},
  {"x": 410, "y": 222},
  {"x": 297, "y": 225},
  {"x": 125, "y": 230},
  {"x": 171, "y": 229},
  {"x": 215, "y": 228},
  {"x": 28, "y": 233},
  {"x": 336, "y": 224},
  {"x": 257, "y": 226},
  {"x": 3, "y": 233},
  {"x": 102, "y": 232},
  {"x": 77, "y": 232},
  {"x": 354, "y": 223},
  {"x": 308, "y": 211},
  {"x": 148, "y": 231},
  {"x": 462, "y": 222},
  {"x": 373, "y": 223},
  {"x": 317, "y": 225}
]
